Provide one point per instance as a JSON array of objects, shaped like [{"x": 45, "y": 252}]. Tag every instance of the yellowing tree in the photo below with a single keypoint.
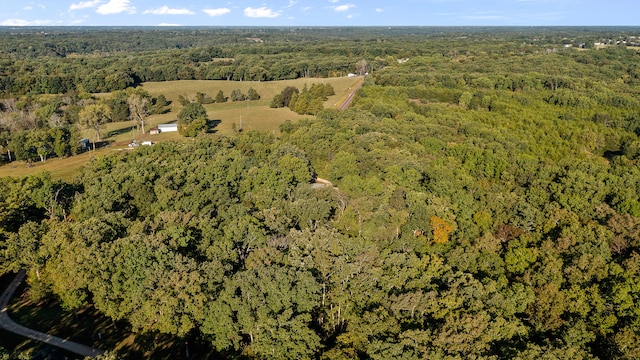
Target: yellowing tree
[{"x": 441, "y": 229}]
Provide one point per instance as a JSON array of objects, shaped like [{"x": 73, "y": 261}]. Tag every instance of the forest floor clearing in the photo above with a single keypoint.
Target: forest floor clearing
[{"x": 228, "y": 117}]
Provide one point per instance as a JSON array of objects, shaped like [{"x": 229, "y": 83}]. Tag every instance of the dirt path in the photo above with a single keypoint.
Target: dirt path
[
  {"x": 7, "y": 324},
  {"x": 349, "y": 99}
]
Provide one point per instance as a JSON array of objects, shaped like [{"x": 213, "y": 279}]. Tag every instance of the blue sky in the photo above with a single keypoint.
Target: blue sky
[{"x": 317, "y": 12}]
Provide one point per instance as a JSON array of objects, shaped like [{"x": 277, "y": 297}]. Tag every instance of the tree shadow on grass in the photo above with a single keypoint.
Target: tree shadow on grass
[
  {"x": 211, "y": 126},
  {"x": 163, "y": 111},
  {"x": 99, "y": 145},
  {"x": 121, "y": 131}
]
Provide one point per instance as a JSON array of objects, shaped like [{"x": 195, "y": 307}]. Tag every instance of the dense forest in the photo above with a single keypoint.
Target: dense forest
[{"x": 484, "y": 196}]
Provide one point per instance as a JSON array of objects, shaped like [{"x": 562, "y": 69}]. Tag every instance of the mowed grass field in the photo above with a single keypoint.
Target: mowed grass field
[
  {"x": 254, "y": 115},
  {"x": 245, "y": 115}
]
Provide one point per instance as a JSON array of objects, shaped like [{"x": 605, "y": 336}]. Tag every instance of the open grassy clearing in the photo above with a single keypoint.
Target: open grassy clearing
[
  {"x": 173, "y": 89},
  {"x": 246, "y": 115},
  {"x": 65, "y": 168},
  {"x": 255, "y": 115}
]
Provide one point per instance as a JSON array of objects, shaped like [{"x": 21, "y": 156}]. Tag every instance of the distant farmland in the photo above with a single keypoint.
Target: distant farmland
[
  {"x": 255, "y": 115},
  {"x": 247, "y": 115}
]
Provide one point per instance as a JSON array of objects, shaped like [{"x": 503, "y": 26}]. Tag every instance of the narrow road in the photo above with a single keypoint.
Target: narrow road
[
  {"x": 7, "y": 324},
  {"x": 349, "y": 99}
]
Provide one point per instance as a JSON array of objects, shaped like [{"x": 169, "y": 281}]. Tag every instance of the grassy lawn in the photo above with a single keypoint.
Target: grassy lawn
[
  {"x": 64, "y": 169},
  {"x": 254, "y": 115},
  {"x": 245, "y": 115}
]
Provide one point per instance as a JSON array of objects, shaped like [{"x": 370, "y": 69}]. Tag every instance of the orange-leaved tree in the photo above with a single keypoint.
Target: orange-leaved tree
[{"x": 441, "y": 229}]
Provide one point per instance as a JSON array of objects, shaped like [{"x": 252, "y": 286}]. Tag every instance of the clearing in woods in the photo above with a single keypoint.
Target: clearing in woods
[{"x": 245, "y": 115}]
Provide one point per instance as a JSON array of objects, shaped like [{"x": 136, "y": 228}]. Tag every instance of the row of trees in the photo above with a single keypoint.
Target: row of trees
[
  {"x": 308, "y": 102},
  {"x": 37, "y": 128},
  {"x": 110, "y": 73},
  {"x": 41, "y": 143},
  {"x": 236, "y": 95},
  {"x": 35, "y": 64}
]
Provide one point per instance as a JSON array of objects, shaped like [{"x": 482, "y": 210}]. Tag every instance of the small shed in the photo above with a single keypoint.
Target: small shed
[
  {"x": 162, "y": 128},
  {"x": 153, "y": 131}
]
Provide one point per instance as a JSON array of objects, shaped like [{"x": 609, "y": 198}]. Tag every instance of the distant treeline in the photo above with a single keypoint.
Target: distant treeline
[{"x": 41, "y": 61}]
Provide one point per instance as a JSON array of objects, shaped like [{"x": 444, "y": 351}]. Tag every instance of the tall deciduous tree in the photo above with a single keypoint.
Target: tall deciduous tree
[
  {"x": 192, "y": 119},
  {"x": 191, "y": 112},
  {"x": 139, "y": 101},
  {"x": 41, "y": 141},
  {"x": 287, "y": 94},
  {"x": 94, "y": 117},
  {"x": 5, "y": 138},
  {"x": 362, "y": 67}
]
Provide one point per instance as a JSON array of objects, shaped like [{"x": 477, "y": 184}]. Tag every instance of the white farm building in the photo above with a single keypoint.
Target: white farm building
[{"x": 162, "y": 128}]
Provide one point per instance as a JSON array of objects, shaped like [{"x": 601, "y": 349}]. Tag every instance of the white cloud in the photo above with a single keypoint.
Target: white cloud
[
  {"x": 22, "y": 22},
  {"x": 378, "y": 10},
  {"x": 291, "y": 3},
  {"x": 334, "y": 1},
  {"x": 116, "y": 7},
  {"x": 165, "y": 10},
  {"x": 343, "y": 7},
  {"x": 85, "y": 4},
  {"x": 30, "y": 7},
  {"x": 261, "y": 12},
  {"x": 217, "y": 12}
]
